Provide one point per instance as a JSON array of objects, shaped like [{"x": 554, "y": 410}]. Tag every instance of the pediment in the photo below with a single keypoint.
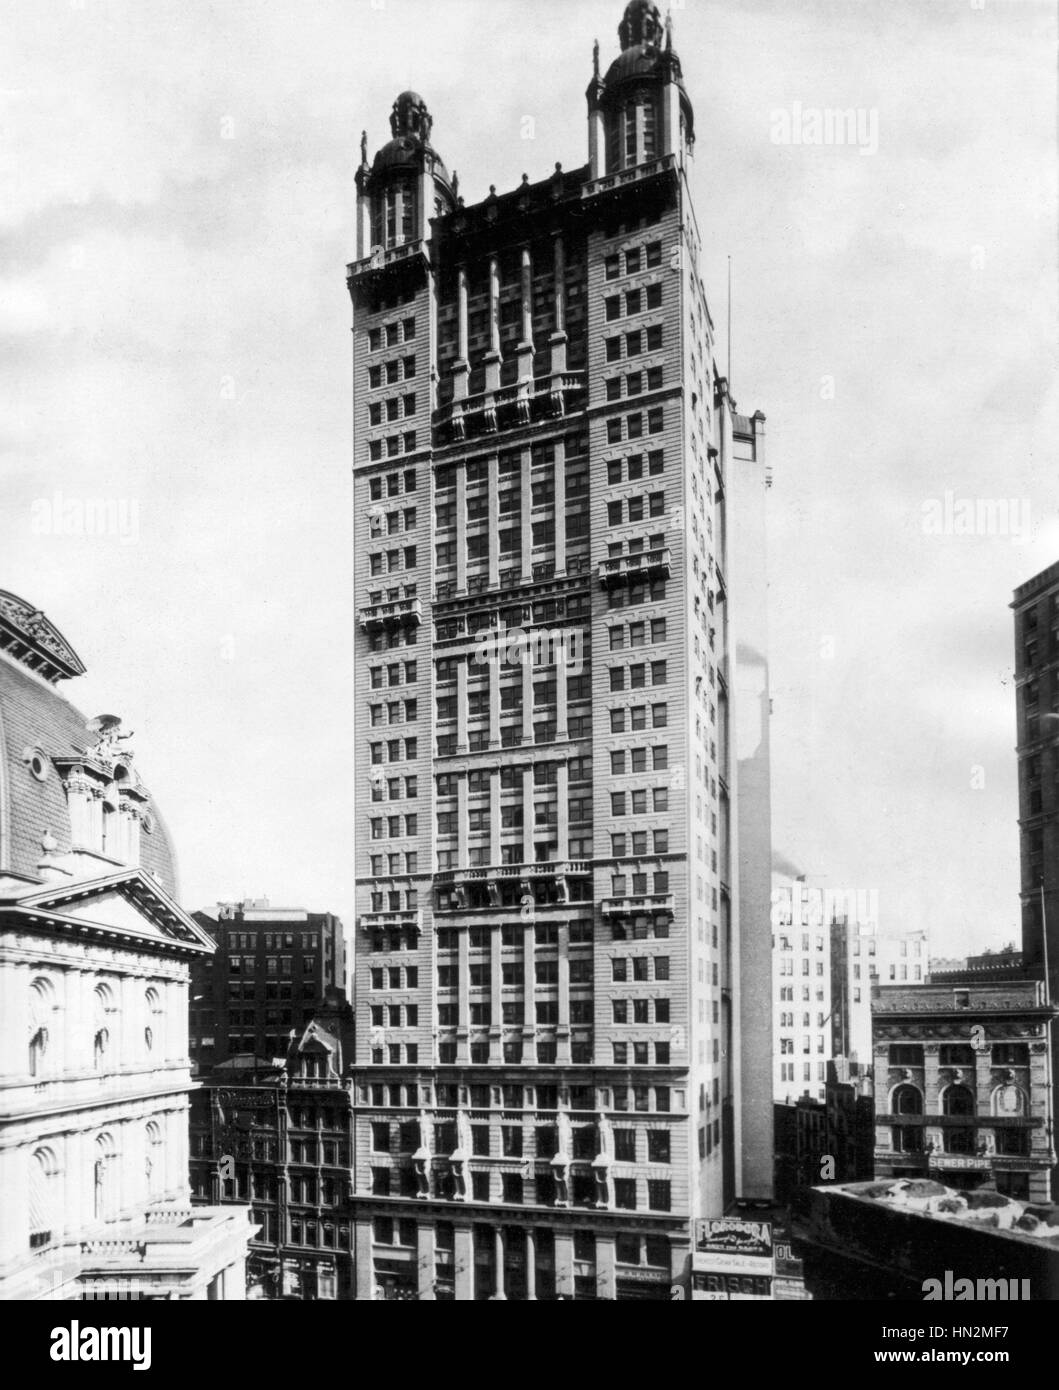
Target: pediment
[{"x": 129, "y": 903}]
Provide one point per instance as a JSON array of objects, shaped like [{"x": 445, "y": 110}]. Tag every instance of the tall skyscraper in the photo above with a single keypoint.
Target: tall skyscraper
[
  {"x": 1036, "y": 605},
  {"x": 563, "y": 940}
]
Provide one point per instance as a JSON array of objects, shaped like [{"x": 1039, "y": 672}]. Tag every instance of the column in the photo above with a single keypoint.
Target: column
[
  {"x": 14, "y": 1210},
  {"x": 597, "y": 142},
  {"x": 531, "y": 1266},
  {"x": 494, "y": 521},
  {"x": 14, "y": 1010},
  {"x": 461, "y": 318},
  {"x": 463, "y": 1255},
  {"x": 498, "y": 1260},
  {"x": 560, "y": 521},
  {"x": 562, "y": 668},
  {"x": 495, "y": 852},
  {"x": 426, "y": 1258},
  {"x": 462, "y": 821},
  {"x": 461, "y": 367},
  {"x": 564, "y": 1265},
  {"x": 527, "y": 697},
  {"x": 363, "y": 222},
  {"x": 365, "y": 1265},
  {"x": 525, "y": 347},
  {"x": 463, "y": 972},
  {"x": 529, "y": 1016},
  {"x": 461, "y": 529},
  {"x": 495, "y": 674},
  {"x": 424, "y": 208},
  {"x": 605, "y": 1267},
  {"x": 527, "y": 516},
  {"x": 492, "y": 357},
  {"x": 671, "y": 142},
  {"x": 461, "y": 708},
  {"x": 495, "y": 997},
  {"x": 563, "y": 1038},
  {"x": 557, "y": 342},
  {"x": 528, "y": 855},
  {"x": 562, "y": 796}
]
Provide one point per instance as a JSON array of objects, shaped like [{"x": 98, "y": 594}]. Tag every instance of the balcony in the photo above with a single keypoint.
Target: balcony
[
  {"x": 403, "y": 917},
  {"x": 644, "y": 564},
  {"x": 551, "y": 869},
  {"x": 625, "y": 178},
  {"x": 508, "y": 407},
  {"x": 402, "y": 612},
  {"x": 380, "y": 259},
  {"x": 503, "y": 886},
  {"x": 617, "y": 908}
]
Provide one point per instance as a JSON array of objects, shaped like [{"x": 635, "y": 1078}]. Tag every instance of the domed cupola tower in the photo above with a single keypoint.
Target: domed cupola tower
[
  {"x": 405, "y": 186},
  {"x": 641, "y": 109}
]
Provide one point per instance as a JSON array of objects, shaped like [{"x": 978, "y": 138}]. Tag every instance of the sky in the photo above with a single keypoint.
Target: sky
[{"x": 176, "y": 213}]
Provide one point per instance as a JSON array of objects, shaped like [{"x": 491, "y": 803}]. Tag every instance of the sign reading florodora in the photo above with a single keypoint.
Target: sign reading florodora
[{"x": 728, "y": 1245}]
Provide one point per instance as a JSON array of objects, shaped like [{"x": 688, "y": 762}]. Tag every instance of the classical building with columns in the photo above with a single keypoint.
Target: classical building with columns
[
  {"x": 95, "y": 955},
  {"x": 562, "y": 938}
]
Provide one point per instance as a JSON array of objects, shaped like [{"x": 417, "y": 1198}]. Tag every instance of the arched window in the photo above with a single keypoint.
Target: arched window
[
  {"x": 105, "y": 1008},
  {"x": 41, "y": 1007},
  {"x": 1009, "y": 1099},
  {"x": 153, "y": 1001},
  {"x": 105, "y": 1175},
  {"x": 44, "y": 1207},
  {"x": 153, "y": 1160},
  {"x": 907, "y": 1100},
  {"x": 957, "y": 1100},
  {"x": 38, "y": 1046}
]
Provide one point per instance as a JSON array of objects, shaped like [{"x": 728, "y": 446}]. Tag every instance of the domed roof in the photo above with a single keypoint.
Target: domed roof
[
  {"x": 410, "y": 126},
  {"x": 641, "y": 23},
  {"x": 42, "y": 738},
  {"x": 641, "y": 60},
  {"x": 647, "y": 52}
]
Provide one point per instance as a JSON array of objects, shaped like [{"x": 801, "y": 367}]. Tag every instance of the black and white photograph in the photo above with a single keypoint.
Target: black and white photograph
[{"x": 529, "y": 665}]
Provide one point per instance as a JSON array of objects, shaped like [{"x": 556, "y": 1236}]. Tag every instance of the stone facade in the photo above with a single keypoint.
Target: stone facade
[
  {"x": 561, "y": 1060},
  {"x": 962, "y": 1083},
  {"x": 95, "y": 957}
]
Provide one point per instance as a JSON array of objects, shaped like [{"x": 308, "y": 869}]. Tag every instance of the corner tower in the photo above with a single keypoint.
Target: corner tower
[
  {"x": 640, "y": 109},
  {"x": 405, "y": 186}
]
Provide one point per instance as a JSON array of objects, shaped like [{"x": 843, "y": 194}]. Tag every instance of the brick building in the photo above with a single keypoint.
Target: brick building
[
  {"x": 278, "y": 1136},
  {"x": 1036, "y": 608},
  {"x": 272, "y": 967},
  {"x": 563, "y": 870}
]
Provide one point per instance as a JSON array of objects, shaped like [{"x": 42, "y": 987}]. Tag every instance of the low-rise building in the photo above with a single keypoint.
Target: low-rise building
[
  {"x": 278, "y": 1133},
  {"x": 963, "y": 1081}
]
